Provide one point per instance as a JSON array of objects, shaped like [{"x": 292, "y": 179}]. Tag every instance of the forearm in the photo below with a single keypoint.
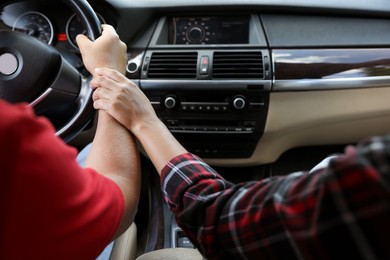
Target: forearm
[
  {"x": 114, "y": 154},
  {"x": 158, "y": 142},
  {"x": 122, "y": 99},
  {"x": 222, "y": 218}
]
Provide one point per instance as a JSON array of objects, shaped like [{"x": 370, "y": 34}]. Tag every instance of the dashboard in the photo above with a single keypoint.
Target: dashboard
[
  {"x": 273, "y": 82},
  {"x": 242, "y": 84}
]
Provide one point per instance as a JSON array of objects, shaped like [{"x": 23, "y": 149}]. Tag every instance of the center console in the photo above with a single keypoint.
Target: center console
[{"x": 208, "y": 79}]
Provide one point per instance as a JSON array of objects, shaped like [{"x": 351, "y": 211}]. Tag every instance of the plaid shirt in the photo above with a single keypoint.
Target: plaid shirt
[{"x": 339, "y": 212}]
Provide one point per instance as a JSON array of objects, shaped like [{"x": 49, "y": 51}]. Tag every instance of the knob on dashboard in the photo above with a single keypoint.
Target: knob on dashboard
[
  {"x": 195, "y": 34},
  {"x": 239, "y": 103},
  {"x": 170, "y": 102}
]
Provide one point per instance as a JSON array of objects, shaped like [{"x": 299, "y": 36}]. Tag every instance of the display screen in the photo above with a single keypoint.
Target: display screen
[{"x": 209, "y": 30}]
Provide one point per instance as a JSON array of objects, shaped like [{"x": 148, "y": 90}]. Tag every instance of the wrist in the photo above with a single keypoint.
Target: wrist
[
  {"x": 148, "y": 126},
  {"x": 106, "y": 119}
]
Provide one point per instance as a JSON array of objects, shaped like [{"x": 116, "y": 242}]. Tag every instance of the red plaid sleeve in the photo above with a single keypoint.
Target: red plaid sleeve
[{"x": 341, "y": 211}]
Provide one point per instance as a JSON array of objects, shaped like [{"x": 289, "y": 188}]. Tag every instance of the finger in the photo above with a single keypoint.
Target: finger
[
  {"x": 102, "y": 82},
  {"x": 101, "y": 93},
  {"x": 83, "y": 42},
  {"x": 115, "y": 76},
  {"x": 95, "y": 96},
  {"x": 106, "y": 28},
  {"x": 96, "y": 81},
  {"x": 101, "y": 104},
  {"x": 111, "y": 74}
]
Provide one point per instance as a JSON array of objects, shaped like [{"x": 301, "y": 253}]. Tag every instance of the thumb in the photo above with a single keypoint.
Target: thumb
[{"x": 83, "y": 41}]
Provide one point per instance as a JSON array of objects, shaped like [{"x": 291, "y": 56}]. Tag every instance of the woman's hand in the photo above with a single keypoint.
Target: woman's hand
[{"x": 122, "y": 99}]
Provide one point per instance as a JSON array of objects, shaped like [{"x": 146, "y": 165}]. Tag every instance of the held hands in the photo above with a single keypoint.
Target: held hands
[
  {"x": 105, "y": 58},
  {"x": 123, "y": 100},
  {"x": 106, "y": 51}
]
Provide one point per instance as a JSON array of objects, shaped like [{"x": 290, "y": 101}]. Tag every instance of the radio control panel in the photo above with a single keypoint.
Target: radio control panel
[{"x": 222, "y": 124}]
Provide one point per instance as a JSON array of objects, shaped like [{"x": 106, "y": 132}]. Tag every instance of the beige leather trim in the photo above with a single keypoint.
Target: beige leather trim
[
  {"x": 125, "y": 246},
  {"x": 172, "y": 254},
  {"x": 305, "y": 118}
]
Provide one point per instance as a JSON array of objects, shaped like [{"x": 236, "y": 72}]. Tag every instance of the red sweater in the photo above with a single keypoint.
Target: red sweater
[{"x": 51, "y": 207}]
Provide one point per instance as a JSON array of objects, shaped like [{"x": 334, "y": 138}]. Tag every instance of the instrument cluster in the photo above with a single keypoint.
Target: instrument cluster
[{"x": 52, "y": 22}]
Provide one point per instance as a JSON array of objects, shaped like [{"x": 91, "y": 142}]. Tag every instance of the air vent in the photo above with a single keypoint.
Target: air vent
[
  {"x": 238, "y": 65},
  {"x": 173, "y": 65}
]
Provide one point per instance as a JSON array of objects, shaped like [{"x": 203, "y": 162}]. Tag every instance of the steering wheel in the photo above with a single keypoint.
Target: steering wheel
[{"x": 34, "y": 72}]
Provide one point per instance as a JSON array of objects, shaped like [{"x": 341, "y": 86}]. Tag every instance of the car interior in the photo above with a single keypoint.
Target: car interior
[{"x": 256, "y": 88}]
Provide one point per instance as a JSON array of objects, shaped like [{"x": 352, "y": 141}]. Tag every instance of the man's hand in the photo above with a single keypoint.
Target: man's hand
[
  {"x": 114, "y": 151},
  {"x": 106, "y": 51}
]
